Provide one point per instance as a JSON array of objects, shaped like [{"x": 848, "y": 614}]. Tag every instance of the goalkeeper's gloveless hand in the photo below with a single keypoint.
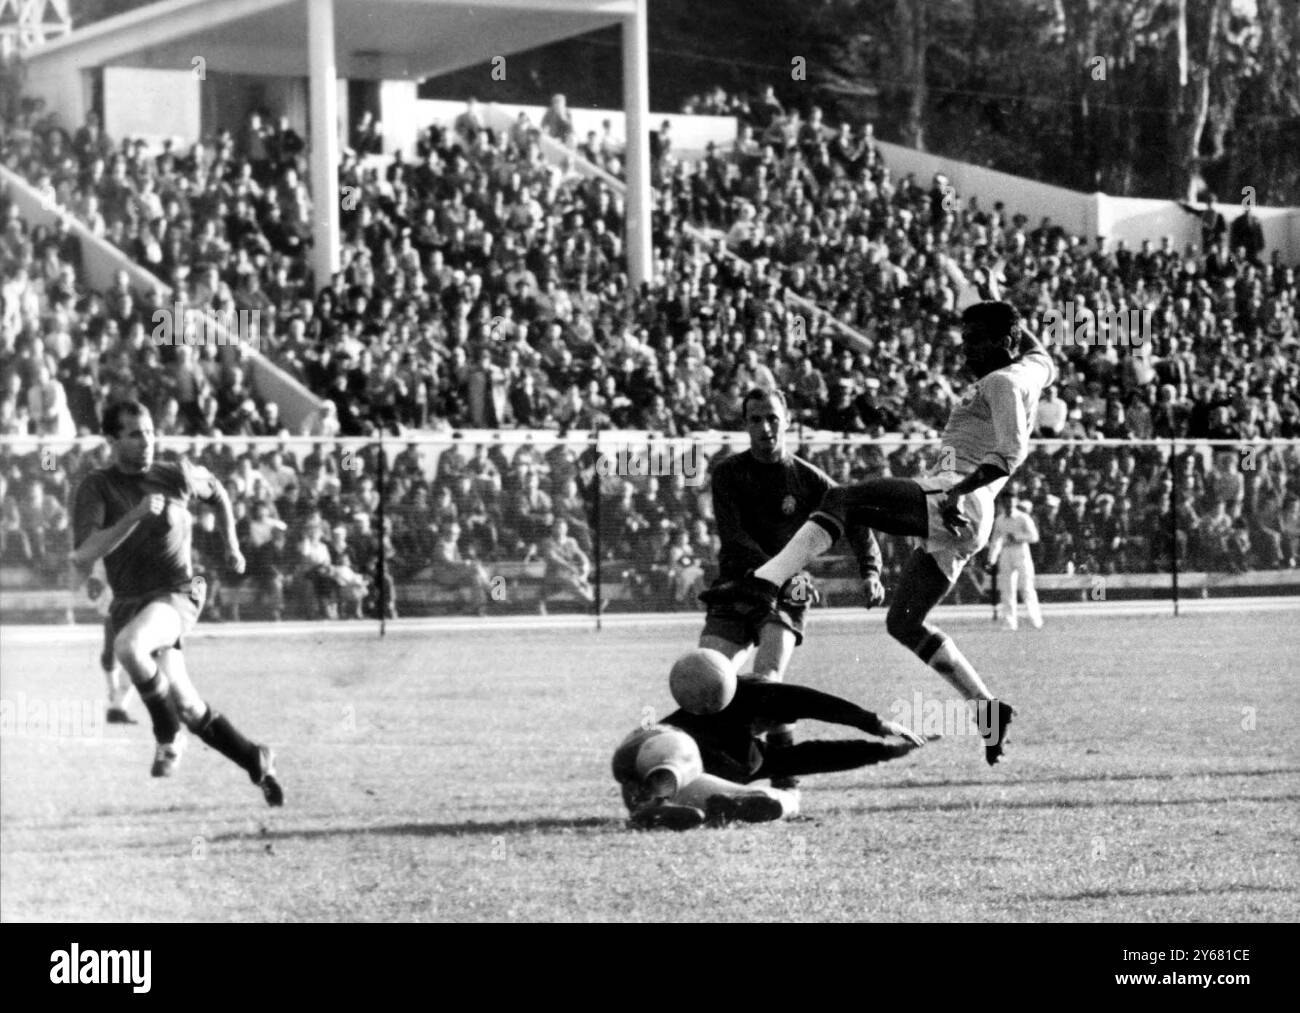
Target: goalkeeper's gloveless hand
[{"x": 874, "y": 590}]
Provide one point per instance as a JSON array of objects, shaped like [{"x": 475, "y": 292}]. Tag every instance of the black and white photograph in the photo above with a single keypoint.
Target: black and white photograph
[{"x": 652, "y": 461}]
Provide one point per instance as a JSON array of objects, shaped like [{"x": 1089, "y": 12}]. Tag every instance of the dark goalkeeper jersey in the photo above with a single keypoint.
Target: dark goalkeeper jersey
[
  {"x": 728, "y": 741},
  {"x": 156, "y": 555},
  {"x": 759, "y": 507}
]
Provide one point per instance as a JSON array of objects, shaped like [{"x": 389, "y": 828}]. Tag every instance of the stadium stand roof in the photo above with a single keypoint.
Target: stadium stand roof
[
  {"x": 351, "y": 39},
  {"x": 377, "y": 39}
]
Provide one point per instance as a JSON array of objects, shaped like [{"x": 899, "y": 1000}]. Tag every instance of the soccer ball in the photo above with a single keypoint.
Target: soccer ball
[{"x": 703, "y": 681}]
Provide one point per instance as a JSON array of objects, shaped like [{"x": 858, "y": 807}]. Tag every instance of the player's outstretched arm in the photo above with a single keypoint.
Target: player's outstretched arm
[
  {"x": 100, "y": 541},
  {"x": 208, "y": 488},
  {"x": 867, "y": 552}
]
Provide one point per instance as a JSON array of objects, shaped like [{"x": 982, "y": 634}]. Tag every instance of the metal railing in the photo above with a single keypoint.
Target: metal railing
[{"x": 516, "y": 521}]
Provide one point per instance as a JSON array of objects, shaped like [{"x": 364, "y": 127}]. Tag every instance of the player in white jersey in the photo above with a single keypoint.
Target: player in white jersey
[
  {"x": 1014, "y": 531},
  {"x": 951, "y": 508}
]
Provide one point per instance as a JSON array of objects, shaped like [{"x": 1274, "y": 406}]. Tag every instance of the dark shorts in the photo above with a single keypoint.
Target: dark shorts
[
  {"x": 740, "y": 623},
  {"x": 186, "y": 599}
]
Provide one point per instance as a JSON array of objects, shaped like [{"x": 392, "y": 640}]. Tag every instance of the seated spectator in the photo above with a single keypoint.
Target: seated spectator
[
  {"x": 685, "y": 570},
  {"x": 567, "y": 566},
  {"x": 452, "y": 571}
]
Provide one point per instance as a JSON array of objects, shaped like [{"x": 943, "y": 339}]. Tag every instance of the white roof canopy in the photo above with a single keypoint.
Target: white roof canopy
[{"x": 376, "y": 39}]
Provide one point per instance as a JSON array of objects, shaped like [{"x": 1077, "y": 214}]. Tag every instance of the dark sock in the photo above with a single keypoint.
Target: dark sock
[
  {"x": 780, "y": 738},
  {"x": 225, "y": 738},
  {"x": 162, "y": 712}
]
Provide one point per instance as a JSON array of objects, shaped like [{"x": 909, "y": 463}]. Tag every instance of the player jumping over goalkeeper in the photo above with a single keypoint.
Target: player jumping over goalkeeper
[{"x": 951, "y": 508}]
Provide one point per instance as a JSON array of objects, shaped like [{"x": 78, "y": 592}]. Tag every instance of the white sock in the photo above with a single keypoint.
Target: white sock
[
  {"x": 119, "y": 688},
  {"x": 950, "y": 663},
  {"x": 809, "y": 542}
]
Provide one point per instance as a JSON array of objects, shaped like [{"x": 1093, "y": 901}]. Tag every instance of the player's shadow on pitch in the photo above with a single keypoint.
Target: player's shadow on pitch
[
  {"x": 470, "y": 828},
  {"x": 1065, "y": 803},
  {"x": 910, "y": 782}
]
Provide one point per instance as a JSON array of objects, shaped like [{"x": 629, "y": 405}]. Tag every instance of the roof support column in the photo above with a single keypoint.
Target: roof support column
[
  {"x": 636, "y": 106},
  {"x": 324, "y": 124}
]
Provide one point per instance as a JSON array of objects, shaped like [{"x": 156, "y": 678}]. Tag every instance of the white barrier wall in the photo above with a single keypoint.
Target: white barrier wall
[
  {"x": 152, "y": 104},
  {"x": 1132, "y": 219},
  {"x": 1073, "y": 211}
]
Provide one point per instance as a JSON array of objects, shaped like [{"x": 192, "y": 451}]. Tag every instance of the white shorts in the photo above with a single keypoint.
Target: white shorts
[{"x": 951, "y": 551}]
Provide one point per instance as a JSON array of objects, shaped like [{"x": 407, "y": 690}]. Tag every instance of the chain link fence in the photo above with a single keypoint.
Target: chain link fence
[{"x": 496, "y": 523}]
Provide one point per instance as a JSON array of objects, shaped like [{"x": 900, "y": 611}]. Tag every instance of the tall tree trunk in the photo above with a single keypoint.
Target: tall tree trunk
[
  {"x": 913, "y": 38},
  {"x": 1189, "y": 107}
]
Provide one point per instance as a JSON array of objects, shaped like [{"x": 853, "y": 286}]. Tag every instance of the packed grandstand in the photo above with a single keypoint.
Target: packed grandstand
[{"x": 482, "y": 288}]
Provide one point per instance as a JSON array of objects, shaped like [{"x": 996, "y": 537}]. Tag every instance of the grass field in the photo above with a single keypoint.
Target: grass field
[{"x": 464, "y": 775}]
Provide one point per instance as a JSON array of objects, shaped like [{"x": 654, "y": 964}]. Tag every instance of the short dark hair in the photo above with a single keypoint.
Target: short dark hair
[
  {"x": 994, "y": 320},
  {"x": 111, "y": 423},
  {"x": 762, "y": 394}
]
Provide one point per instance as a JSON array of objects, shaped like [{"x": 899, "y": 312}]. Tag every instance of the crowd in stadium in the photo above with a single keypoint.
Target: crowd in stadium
[{"x": 482, "y": 288}]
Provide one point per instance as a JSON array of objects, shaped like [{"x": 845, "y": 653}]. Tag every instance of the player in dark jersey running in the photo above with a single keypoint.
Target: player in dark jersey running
[
  {"x": 732, "y": 755},
  {"x": 761, "y": 497},
  {"x": 134, "y": 513}
]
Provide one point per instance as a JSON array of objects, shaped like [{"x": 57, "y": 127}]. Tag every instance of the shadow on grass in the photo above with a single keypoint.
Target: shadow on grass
[
  {"x": 1065, "y": 803},
  {"x": 543, "y": 825},
  {"x": 1089, "y": 778},
  {"x": 1101, "y": 893}
]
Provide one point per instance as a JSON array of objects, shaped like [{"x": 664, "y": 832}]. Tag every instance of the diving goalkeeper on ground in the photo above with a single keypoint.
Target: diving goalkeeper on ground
[{"x": 693, "y": 768}]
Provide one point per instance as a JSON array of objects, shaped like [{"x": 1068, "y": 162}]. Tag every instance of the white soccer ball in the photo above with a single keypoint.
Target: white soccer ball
[{"x": 703, "y": 681}]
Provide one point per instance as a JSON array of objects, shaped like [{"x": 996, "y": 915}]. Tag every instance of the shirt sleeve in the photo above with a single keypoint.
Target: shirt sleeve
[
  {"x": 88, "y": 510},
  {"x": 199, "y": 481}
]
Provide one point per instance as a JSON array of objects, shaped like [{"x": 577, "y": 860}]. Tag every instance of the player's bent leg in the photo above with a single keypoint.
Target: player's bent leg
[
  {"x": 216, "y": 730},
  {"x": 738, "y": 653},
  {"x": 896, "y": 506},
  {"x": 119, "y": 686},
  {"x": 827, "y": 757},
  {"x": 726, "y": 801},
  {"x": 154, "y": 627},
  {"x": 134, "y": 647},
  {"x": 921, "y": 587},
  {"x": 776, "y": 644}
]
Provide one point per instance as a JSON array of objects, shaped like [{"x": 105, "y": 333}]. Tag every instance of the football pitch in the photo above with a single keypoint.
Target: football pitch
[{"x": 460, "y": 772}]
